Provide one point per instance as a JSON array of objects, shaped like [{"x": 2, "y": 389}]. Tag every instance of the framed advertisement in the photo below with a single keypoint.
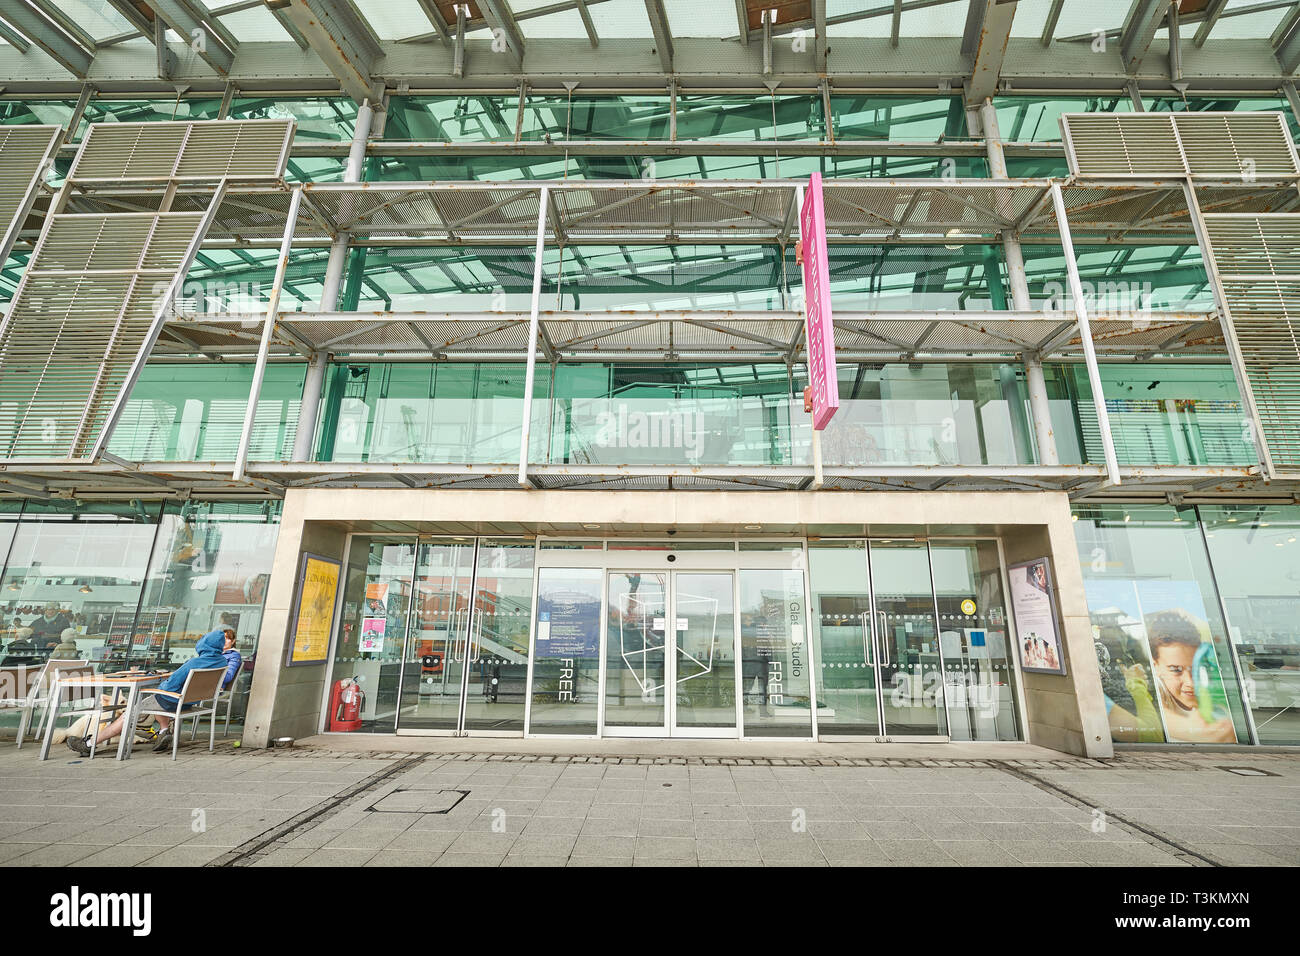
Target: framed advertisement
[
  {"x": 313, "y": 616},
  {"x": 1038, "y": 634}
]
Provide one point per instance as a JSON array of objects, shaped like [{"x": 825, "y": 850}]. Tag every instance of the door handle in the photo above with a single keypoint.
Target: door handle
[
  {"x": 886, "y": 659},
  {"x": 461, "y": 636},
  {"x": 477, "y": 635},
  {"x": 867, "y": 636}
]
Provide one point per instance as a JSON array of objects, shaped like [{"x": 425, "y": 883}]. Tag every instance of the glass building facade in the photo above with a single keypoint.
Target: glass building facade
[{"x": 862, "y": 630}]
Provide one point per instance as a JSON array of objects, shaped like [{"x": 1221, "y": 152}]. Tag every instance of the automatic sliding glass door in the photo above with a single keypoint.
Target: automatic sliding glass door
[
  {"x": 670, "y": 654},
  {"x": 465, "y": 652}
]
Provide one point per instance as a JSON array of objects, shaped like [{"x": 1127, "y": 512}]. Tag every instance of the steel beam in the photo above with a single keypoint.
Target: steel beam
[
  {"x": 342, "y": 41},
  {"x": 1287, "y": 48},
  {"x": 498, "y": 16},
  {"x": 989, "y": 49},
  {"x": 201, "y": 35},
  {"x": 1212, "y": 13},
  {"x": 1145, "y": 18},
  {"x": 663, "y": 35},
  {"x": 1053, "y": 17},
  {"x": 69, "y": 54},
  {"x": 819, "y": 32}
]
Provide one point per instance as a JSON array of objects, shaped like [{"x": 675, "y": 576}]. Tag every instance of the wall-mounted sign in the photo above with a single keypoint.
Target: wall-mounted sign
[
  {"x": 823, "y": 385},
  {"x": 968, "y": 607},
  {"x": 1037, "y": 634},
  {"x": 313, "y": 619}
]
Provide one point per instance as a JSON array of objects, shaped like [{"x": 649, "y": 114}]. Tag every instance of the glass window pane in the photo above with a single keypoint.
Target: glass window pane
[
  {"x": 841, "y": 614},
  {"x": 566, "y": 651},
  {"x": 74, "y": 577},
  {"x": 1255, "y": 550},
  {"x": 636, "y": 666},
  {"x": 210, "y": 569},
  {"x": 1166, "y": 666},
  {"x": 775, "y": 680}
]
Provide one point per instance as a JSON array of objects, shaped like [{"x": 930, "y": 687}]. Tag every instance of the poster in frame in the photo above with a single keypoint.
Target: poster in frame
[
  {"x": 1033, "y": 603},
  {"x": 314, "y": 609}
]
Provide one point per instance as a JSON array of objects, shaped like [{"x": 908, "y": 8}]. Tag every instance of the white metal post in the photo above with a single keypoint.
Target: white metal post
[
  {"x": 1085, "y": 335},
  {"x": 360, "y": 135},
  {"x": 1244, "y": 387},
  {"x": 268, "y": 327},
  {"x": 530, "y": 376}
]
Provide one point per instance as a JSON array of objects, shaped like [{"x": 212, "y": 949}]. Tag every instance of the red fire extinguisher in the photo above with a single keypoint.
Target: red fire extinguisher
[{"x": 346, "y": 701}]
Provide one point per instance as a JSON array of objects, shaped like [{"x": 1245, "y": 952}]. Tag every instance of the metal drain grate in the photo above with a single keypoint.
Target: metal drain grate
[{"x": 418, "y": 801}]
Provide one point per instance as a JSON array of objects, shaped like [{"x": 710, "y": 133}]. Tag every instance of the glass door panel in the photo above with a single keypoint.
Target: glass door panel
[
  {"x": 774, "y": 655},
  {"x": 635, "y": 659},
  {"x": 979, "y": 676},
  {"x": 376, "y": 598},
  {"x": 437, "y": 638},
  {"x": 498, "y": 646},
  {"x": 704, "y": 631},
  {"x": 841, "y": 606},
  {"x": 910, "y": 664}
]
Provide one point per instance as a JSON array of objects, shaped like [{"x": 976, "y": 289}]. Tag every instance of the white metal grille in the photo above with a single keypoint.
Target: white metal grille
[
  {"x": 26, "y": 150},
  {"x": 204, "y": 150},
  {"x": 83, "y": 309},
  {"x": 1258, "y": 258},
  {"x": 1244, "y": 146}
]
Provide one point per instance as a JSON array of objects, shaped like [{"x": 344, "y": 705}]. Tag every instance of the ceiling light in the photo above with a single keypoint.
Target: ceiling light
[
  {"x": 593, "y": 527},
  {"x": 753, "y": 527},
  {"x": 950, "y": 234}
]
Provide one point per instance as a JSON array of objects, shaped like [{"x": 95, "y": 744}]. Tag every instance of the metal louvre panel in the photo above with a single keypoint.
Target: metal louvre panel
[
  {"x": 1122, "y": 144},
  {"x": 25, "y": 150},
  {"x": 1228, "y": 145},
  {"x": 1258, "y": 258},
  {"x": 81, "y": 313},
  {"x": 205, "y": 150},
  {"x": 1211, "y": 145}
]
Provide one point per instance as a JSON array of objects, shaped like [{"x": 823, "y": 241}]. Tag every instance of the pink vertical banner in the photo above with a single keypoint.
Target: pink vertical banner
[{"x": 823, "y": 383}]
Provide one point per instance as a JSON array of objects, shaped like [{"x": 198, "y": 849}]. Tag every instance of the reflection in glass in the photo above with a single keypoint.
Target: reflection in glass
[
  {"x": 1255, "y": 550},
  {"x": 368, "y": 648},
  {"x": 566, "y": 651},
  {"x": 436, "y": 641},
  {"x": 978, "y": 669},
  {"x": 635, "y": 639},
  {"x": 775, "y": 680},
  {"x": 841, "y": 606},
  {"x": 76, "y": 571},
  {"x": 911, "y": 666},
  {"x": 211, "y": 566},
  {"x": 498, "y": 648},
  {"x": 705, "y": 658},
  {"x": 1167, "y": 670}
]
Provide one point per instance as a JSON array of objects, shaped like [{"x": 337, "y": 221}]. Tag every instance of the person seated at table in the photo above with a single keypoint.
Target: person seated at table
[
  {"x": 47, "y": 628},
  {"x": 66, "y": 650},
  {"x": 22, "y": 650},
  {"x": 209, "y": 652}
]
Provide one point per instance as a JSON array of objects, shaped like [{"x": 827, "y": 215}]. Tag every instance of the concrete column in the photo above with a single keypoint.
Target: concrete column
[
  {"x": 309, "y": 410},
  {"x": 1039, "y": 408},
  {"x": 308, "y": 413}
]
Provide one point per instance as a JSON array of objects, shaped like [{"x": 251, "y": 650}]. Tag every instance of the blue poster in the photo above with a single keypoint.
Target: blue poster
[{"x": 568, "y": 625}]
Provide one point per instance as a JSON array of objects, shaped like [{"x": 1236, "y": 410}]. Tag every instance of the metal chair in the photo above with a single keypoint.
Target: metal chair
[
  {"x": 20, "y": 690},
  {"x": 224, "y": 696},
  {"x": 202, "y": 686},
  {"x": 39, "y": 695}
]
